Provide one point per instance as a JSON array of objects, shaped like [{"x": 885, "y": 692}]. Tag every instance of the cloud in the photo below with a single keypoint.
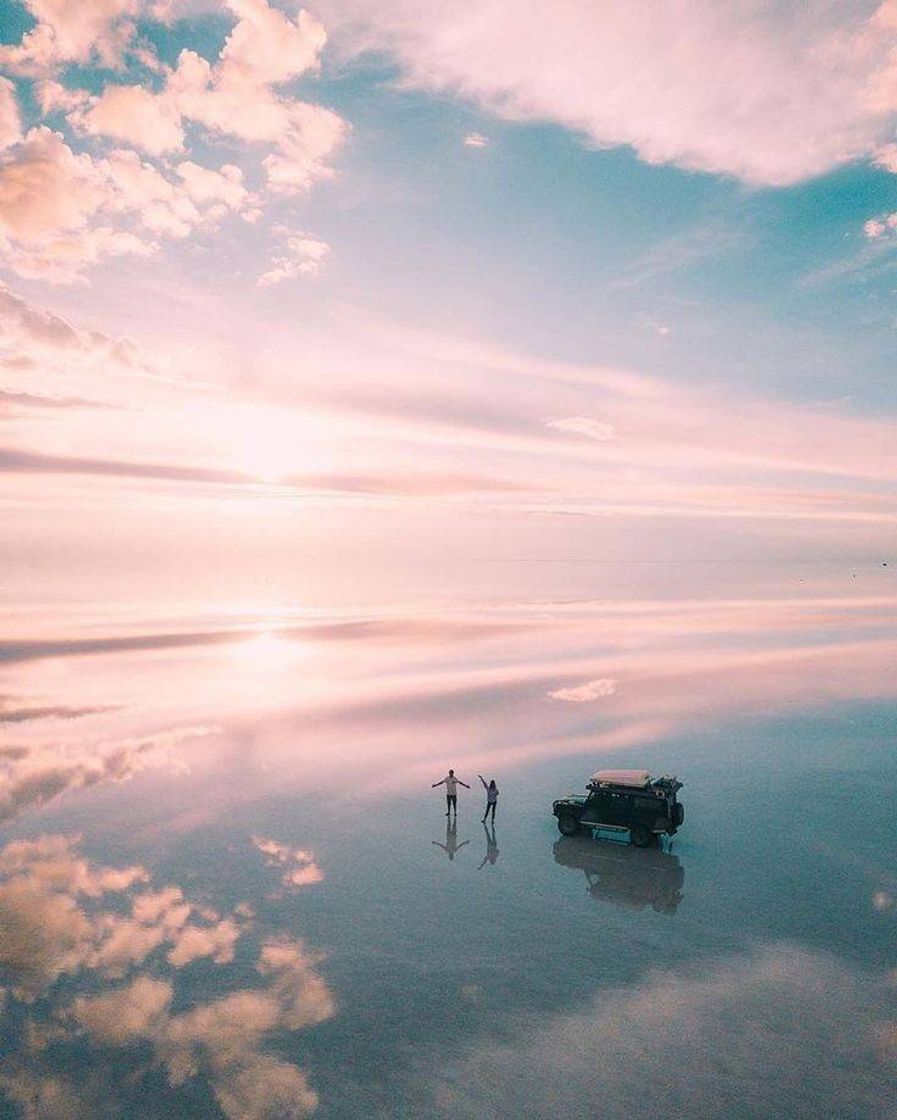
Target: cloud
[
  {"x": 34, "y": 463},
  {"x": 62, "y": 212},
  {"x": 137, "y": 116},
  {"x": 39, "y": 402},
  {"x": 90, "y": 31},
  {"x": 22, "y": 324},
  {"x": 406, "y": 629},
  {"x": 226, "y": 1037},
  {"x": 585, "y": 693},
  {"x": 585, "y": 426},
  {"x": 48, "y": 929},
  {"x": 297, "y": 864},
  {"x": 196, "y": 942},
  {"x": 775, "y": 1030},
  {"x": 476, "y": 140},
  {"x": 10, "y": 122},
  {"x": 884, "y": 226},
  {"x": 234, "y": 96},
  {"x": 304, "y": 257},
  {"x": 126, "y": 1014},
  {"x": 45, "y": 772},
  {"x": 50, "y": 711},
  {"x": 48, "y": 932},
  {"x": 204, "y": 185},
  {"x": 51, "y": 202},
  {"x": 886, "y": 157},
  {"x": 222, "y": 1038},
  {"x": 45, "y": 189},
  {"x": 771, "y": 95},
  {"x": 43, "y": 354},
  {"x": 370, "y": 485}
]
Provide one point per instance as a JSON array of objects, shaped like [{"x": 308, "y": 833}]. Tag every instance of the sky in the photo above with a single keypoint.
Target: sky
[{"x": 363, "y": 303}]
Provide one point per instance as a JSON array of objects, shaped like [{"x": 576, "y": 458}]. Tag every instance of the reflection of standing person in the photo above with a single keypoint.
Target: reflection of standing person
[
  {"x": 451, "y": 784},
  {"x": 451, "y": 844},
  {"x": 491, "y": 855},
  {"x": 491, "y": 797}
]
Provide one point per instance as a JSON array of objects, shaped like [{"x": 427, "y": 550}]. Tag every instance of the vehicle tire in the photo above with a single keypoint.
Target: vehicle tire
[
  {"x": 678, "y": 814},
  {"x": 568, "y": 825},
  {"x": 640, "y": 836}
]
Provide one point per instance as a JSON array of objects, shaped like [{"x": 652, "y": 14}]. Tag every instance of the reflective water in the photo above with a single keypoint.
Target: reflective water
[{"x": 228, "y": 888}]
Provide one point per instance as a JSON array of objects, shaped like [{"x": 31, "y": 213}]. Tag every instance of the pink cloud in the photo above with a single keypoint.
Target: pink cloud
[
  {"x": 10, "y": 121},
  {"x": 234, "y": 96},
  {"x": 65, "y": 32},
  {"x": 137, "y": 116},
  {"x": 769, "y": 95},
  {"x": 304, "y": 256},
  {"x": 297, "y": 865},
  {"x": 63, "y": 212}
]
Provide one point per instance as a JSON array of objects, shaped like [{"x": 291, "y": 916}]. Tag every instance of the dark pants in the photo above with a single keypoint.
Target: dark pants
[
  {"x": 451, "y": 802},
  {"x": 490, "y": 808}
]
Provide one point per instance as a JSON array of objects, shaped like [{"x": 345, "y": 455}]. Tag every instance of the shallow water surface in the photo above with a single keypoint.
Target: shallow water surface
[{"x": 228, "y": 888}]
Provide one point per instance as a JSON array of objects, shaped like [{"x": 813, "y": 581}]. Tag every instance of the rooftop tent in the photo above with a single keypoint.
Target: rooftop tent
[{"x": 636, "y": 778}]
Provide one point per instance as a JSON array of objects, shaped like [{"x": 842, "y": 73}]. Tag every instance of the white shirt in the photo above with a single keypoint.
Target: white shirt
[{"x": 451, "y": 785}]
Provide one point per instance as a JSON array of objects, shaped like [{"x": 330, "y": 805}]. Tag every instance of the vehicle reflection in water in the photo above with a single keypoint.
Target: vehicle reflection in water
[
  {"x": 451, "y": 845},
  {"x": 624, "y": 875}
]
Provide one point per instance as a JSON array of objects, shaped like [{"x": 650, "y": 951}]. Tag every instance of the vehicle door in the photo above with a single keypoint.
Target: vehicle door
[
  {"x": 597, "y": 810},
  {"x": 620, "y": 809}
]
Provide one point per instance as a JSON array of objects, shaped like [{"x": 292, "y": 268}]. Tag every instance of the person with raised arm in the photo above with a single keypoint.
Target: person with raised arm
[
  {"x": 491, "y": 797},
  {"x": 451, "y": 784}
]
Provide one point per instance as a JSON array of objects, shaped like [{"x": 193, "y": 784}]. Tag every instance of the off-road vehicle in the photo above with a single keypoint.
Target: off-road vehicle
[{"x": 623, "y": 801}]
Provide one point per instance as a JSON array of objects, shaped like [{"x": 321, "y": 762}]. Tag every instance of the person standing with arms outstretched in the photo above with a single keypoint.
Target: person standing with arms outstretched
[
  {"x": 451, "y": 784},
  {"x": 491, "y": 797}
]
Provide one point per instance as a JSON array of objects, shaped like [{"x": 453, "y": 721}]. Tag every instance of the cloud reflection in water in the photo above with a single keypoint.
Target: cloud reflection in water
[{"x": 120, "y": 943}]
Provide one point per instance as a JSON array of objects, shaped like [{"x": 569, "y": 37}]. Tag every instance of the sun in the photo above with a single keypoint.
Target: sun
[
  {"x": 269, "y": 652},
  {"x": 271, "y": 445},
  {"x": 267, "y": 443}
]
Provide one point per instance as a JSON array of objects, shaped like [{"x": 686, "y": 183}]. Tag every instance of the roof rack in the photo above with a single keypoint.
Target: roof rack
[{"x": 635, "y": 779}]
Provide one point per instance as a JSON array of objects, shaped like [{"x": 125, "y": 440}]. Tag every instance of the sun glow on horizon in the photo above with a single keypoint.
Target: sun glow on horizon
[{"x": 269, "y": 652}]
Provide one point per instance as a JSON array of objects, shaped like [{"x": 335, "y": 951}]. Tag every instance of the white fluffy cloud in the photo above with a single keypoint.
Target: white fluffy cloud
[
  {"x": 297, "y": 864},
  {"x": 585, "y": 426},
  {"x": 64, "y": 207},
  {"x": 235, "y": 95},
  {"x": 44, "y": 357},
  {"x": 885, "y": 226},
  {"x": 37, "y": 774},
  {"x": 476, "y": 140},
  {"x": 303, "y": 256},
  {"x": 585, "y": 693},
  {"x": 61, "y": 212},
  {"x": 771, "y": 94},
  {"x": 10, "y": 122},
  {"x": 91, "y": 30},
  {"x": 48, "y": 931},
  {"x": 137, "y": 116},
  {"x": 775, "y": 1031}
]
